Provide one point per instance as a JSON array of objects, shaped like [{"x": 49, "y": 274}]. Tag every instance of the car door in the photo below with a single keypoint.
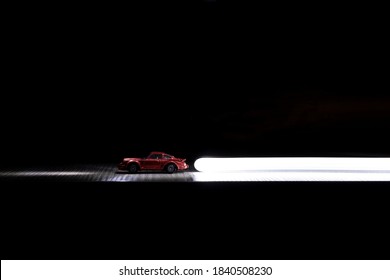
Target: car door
[{"x": 153, "y": 162}]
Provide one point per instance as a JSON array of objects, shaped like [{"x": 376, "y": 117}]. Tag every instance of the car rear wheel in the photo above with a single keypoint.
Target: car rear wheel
[
  {"x": 133, "y": 168},
  {"x": 170, "y": 168}
]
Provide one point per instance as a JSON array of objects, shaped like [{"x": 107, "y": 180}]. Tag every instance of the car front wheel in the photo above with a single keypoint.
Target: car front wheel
[
  {"x": 171, "y": 168},
  {"x": 133, "y": 168}
]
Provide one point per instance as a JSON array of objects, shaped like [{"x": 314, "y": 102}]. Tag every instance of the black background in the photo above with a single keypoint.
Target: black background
[
  {"x": 94, "y": 82},
  {"x": 90, "y": 82}
]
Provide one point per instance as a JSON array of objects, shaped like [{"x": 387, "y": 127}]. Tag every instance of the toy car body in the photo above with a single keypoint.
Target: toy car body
[{"x": 157, "y": 161}]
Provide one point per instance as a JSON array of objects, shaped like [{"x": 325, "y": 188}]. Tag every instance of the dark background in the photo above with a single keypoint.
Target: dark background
[{"x": 94, "y": 82}]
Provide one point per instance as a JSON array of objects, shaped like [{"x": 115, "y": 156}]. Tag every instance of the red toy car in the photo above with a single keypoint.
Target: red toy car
[{"x": 158, "y": 161}]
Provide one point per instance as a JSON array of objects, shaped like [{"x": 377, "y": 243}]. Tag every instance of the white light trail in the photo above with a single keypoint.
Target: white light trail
[
  {"x": 292, "y": 176},
  {"x": 255, "y": 169},
  {"x": 331, "y": 164}
]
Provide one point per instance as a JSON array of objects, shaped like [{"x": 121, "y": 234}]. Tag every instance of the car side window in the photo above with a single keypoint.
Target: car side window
[
  {"x": 166, "y": 157},
  {"x": 155, "y": 156}
]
